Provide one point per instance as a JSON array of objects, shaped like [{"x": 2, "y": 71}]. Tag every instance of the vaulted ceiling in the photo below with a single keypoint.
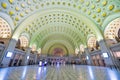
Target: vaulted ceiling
[{"x": 63, "y": 23}]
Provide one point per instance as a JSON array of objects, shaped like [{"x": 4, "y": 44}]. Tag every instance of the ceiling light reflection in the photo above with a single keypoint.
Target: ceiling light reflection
[{"x": 91, "y": 73}]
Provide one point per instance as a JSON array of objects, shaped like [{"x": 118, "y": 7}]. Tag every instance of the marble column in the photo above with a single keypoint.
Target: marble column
[
  {"x": 36, "y": 57},
  {"x": 79, "y": 54},
  {"x": 105, "y": 49},
  {"x": 88, "y": 57},
  {"x": 2, "y": 47},
  {"x": 13, "y": 60},
  {"x": 10, "y": 48},
  {"x": 70, "y": 58},
  {"x": 27, "y": 56}
]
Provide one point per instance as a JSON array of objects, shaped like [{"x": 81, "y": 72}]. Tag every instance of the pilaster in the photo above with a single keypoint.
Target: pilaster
[{"x": 5, "y": 60}]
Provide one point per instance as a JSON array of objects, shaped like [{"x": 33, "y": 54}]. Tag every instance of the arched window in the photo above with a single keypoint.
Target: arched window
[
  {"x": 23, "y": 41},
  {"x": 92, "y": 43},
  {"x": 5, "y": 30},
  {"x": 81, "y": 48},
  {"x": 39, "y": 51},
  {"x": 33, "y": 47},
  {"x": 112, "y": 33}
]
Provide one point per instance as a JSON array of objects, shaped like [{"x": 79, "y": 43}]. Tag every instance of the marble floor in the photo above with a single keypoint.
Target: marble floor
[{"x": 59, "y": 72}]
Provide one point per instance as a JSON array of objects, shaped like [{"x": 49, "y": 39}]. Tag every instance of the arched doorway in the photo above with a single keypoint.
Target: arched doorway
[{"x": 58, "y": 52}]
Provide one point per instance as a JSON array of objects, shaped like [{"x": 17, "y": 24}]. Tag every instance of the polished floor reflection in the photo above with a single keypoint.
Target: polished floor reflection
[{"x": 59, "y": 72}]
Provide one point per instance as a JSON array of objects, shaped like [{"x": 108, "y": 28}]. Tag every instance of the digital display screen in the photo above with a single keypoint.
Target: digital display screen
[
  {"x": 87, "y": 57},
  {"x": 105, "y": 55},
  {"x": 28, "y": 57},
  {"x": 9, "y": 54}
]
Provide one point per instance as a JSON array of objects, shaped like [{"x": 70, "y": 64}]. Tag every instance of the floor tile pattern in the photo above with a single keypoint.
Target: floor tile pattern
[{"x": 59, "y": 72}]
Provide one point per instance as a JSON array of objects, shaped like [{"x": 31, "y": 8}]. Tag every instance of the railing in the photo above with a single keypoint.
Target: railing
[
  {"x": 115, "y": 49},
  {"x": 18, "y": 51}
]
